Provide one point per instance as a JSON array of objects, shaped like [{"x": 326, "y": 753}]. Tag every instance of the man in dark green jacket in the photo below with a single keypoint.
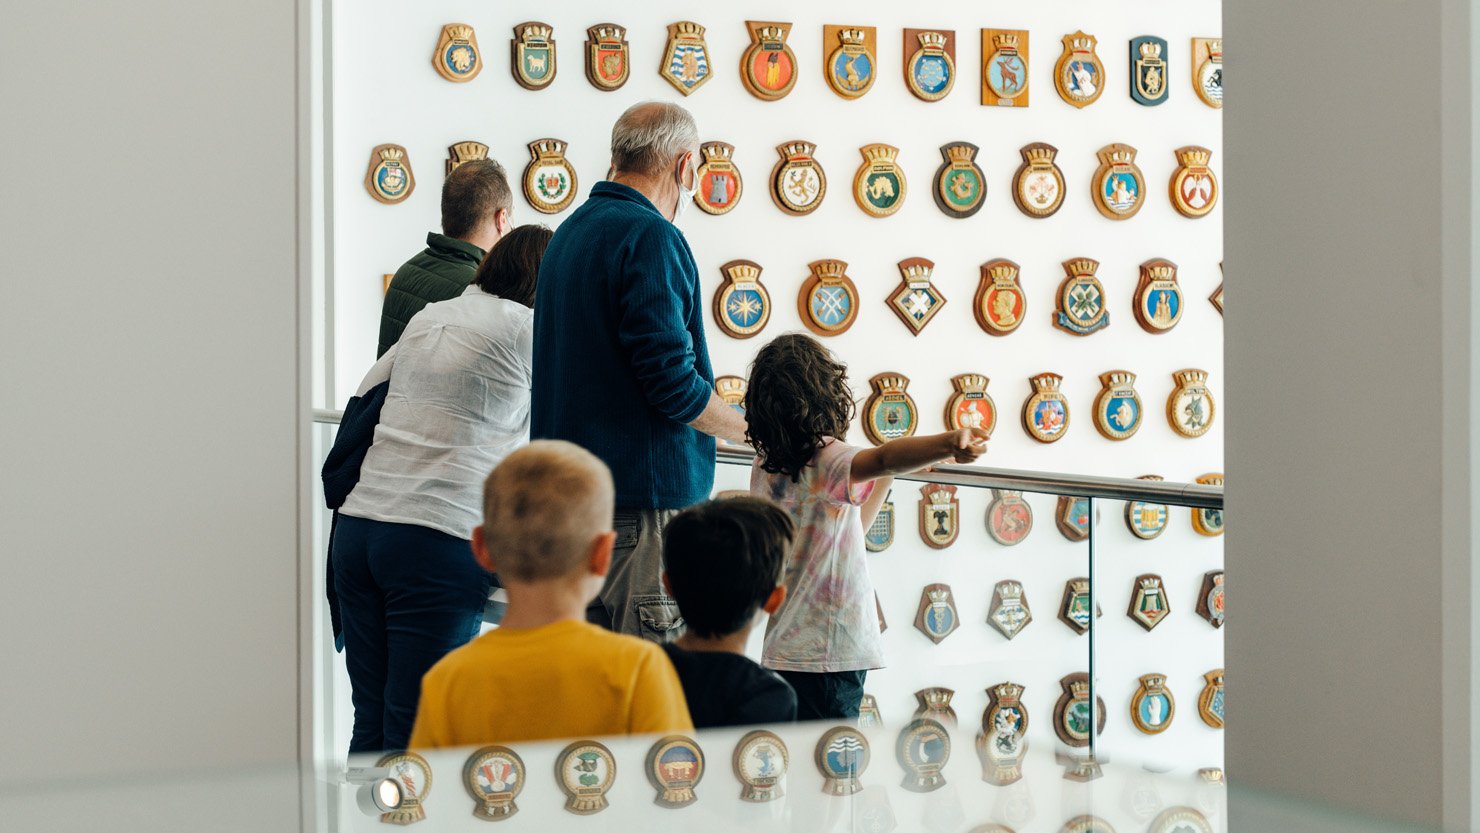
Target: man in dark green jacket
[{"x": 477, "y": 210}]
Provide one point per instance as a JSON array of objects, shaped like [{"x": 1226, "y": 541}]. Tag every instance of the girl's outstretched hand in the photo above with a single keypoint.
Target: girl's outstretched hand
[{"x": 967, "y": 444}]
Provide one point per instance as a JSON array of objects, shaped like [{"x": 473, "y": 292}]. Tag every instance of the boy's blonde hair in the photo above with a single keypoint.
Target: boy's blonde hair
[{"x": 543, "y": 508}]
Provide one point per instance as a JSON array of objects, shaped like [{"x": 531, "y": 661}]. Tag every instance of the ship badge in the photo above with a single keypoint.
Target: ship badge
[
  {"x": 879, "y": 186},
  {"x": 1005, "y": 69},
  {"x": 719, "y": 185},
  {"x": 1119, "y": 187},
  {"x": 675, "y": 765},
  {"x": 1079, "y": 75},
  {"x": 1190, "y": 408},
  {"x": 1000, "y": 304},
  {"x": 742, "y": 306},
  {"x": 930, "y": 68},
  {"x": 457, "y": 58},
  {"x": 608, "y": 58},
  {"x": 923, "y": 748},
  {"x": 971, "y": 406},
  {"x": 760, "y": 763},
  {"x": 1118, "y": 407},
  {"x": 1081, "y": 299},
  {"x": 916, "y": 300},
  {"x": 1149, "y": 604},
  {"x": 1038, "y": 186},
  {"x": 890, "y": 412},
  {"x": 798, "y": 183},
  {"x": 1009, "y": 613},
  {"x": 389, "y": 179},
  {"x": 494, "y": 776},
  {"x": 769, "y": 67},
  {"x": 1009, "y": 517},
  {"x": 1152, "y": 706},
  {"x": 1074, "y": 719},
  {"x": 1046, "y": 413},
  {"x": 413, "y": 775},
  {"x": 828, "y": 301},
  {"x": 1149, "y": 70},
  {"x": 850, "y": 67},
  {"x": 1158, "y": 300},
  {"x": 936, "y": 617},
  {"x": 939, "y": 510},
  {"x": 686, "y": 59},
  {"x": 1194, "y": 187},
  {"x": 533, "y": 52}
]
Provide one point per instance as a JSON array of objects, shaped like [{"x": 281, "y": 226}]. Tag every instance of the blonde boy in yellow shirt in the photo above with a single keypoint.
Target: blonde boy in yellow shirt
[{"x": 546, "y": 673}]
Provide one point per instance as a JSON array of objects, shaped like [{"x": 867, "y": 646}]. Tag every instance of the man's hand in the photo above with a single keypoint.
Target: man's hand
[{"x": 720, "y": 420}]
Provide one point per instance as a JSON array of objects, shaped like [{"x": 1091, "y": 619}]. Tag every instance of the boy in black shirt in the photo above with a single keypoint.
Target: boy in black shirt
[{"x": 722, "y": 563}]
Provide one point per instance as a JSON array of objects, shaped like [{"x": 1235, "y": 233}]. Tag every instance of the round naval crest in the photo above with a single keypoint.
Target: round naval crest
[
  {"x": 414, "y": 775},
  {"x": 1005, "y": 70},
  {"x": 457, "y": 58},
  {"x": 1207, "y": 70},
  {"x": 1210, "y": 702},
  {"x": 1194, "y": 187},
  {"x": 960, "y": 185},
  {"x": 1119, "y": 187},
  {"x": 916, "y": 300},
  {"x": 971, "y": 406},
  {"x": 585, "y": 771},
  {"x": 850, "y": 68},
  {"x": 1000, "y": 304},
  {"x": 675, "y": 765},
  {"x": 1208, "y": 522},
  {"x": 549, "y": 178},
  {"x": 879, "y": 186},
  {"x": 939, "y": 509},
  {"x": 1009, "y": 613},
  {"x": 719, "y": 186},
  {"x": 1009, "y": 517},
  {"x": 494, "y": 776},
  {"x": 1038, "y": 186},
  {"x": 936, "y": 617},
  {"x": 1079, "y": 75},
  {"x": 798, "y": 183},
  {"x": 742, "y": 306},
  {"x": 1210, "y": 598},
  {"x": 534, "y": 55},
  {"x": 1180, "y": 820},
  {"x": 923, "y": 748},
  {"x": 890, "y": 412},
  {"x": 1190, "y": 408},
  {"x": 769, "y": 67},
  {"x": 1002, "y": 743},
  {"x": 1158, "y": 300},
  {"x": 1046, "y": 413},
  {"x": 930, "y": 69},
  {"x": 828, "y": 301},
  {"x": 389, "y": 179},
  {"x": 608, "y": 59},
  {"x": 1149, "y": 604},
  {"x": 760, "y": 764},
  {"x": 842, "y": 756},
  {"x": 1152, "y": 706},
  {"x": 1073, "y": 717},
  {"x": 686, "y": 60},
  {"x": 1081, "y": 299},
  {"x": 1146, "y": 520},
  {"x": 1118, "y": 407}
]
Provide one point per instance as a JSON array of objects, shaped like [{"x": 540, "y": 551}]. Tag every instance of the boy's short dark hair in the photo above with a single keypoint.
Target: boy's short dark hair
[
  {"x": 472, "y": 194},
  {"x": 724, "y": 559}
]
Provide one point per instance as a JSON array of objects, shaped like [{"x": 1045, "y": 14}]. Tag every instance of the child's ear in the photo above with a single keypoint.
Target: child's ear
[
  {"x": 774, "y": 602},
  {"x": 601, "y": 554},
  {"x": 480, "y": 550},
  {"x": 667, "y": 588}
]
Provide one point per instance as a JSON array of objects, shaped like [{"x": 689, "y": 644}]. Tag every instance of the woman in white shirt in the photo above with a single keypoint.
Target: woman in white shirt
[{"x": 458, "y": 403}]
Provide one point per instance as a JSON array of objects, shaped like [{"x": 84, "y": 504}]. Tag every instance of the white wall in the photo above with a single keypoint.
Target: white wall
[{"x": 152, "y": 421}]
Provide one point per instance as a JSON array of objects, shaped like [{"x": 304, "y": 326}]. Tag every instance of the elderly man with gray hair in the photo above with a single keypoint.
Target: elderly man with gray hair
[{"x": 620, "y": 362}]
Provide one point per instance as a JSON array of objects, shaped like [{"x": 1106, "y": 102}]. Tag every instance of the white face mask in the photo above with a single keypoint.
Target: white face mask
[{"x": 685, "y": 195}]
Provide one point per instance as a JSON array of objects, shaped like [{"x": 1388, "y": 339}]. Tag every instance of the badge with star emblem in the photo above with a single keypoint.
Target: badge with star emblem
[
  {"x": 850, "y": 66},
  {"x": 549, "y": 178},
  {"x": 465, "y": 152},
  {"x": 1046, "y": 413},
  {"x": 1079, "y": 75},
  {"x": 1009, "y": 517},
  {"x": 890, "y": 411},
  {"x": 1149, "y": 604},
  {"x": 1081, "y": 308},
  {"x": 1152, "y": 706},
  {"x": 1158, "y": 300},
  {"x": 731, "y": 389},
  {"x": 1074, "y": 717},
  {"x": 1208, "y": 522},
  {"x": 1005, "y": 68},
  {"x": 1207, "y": 70},
  {"x": 939, "y": 515},
  {"x": 686, "y": 59},
  {"x": 1210, "y": 598},
  {"x": 1149, "y": 70},
  {"x": 936, "y": 617},
  {"x": 1194, "y": 188},
  {"x": 719, "y": 186},
  {"x": 533, "y": 55},
  {"x": 1146, "y": 520},
  {"x": 828, "y": 301},
  {"x": 1119, "y": 187},
  {"x": 879, "y": 186},
  {"x": 742, "y": 306},
  {"x": 1002, "y": 742},
  {"x": 1118, "y": 407},
  {"x": 1000, "y": 304},
  {"x": 930, "y": 65},
  {"x": 798, "y": 183},
  {"x": 1038, "y": 186},
  {"x": 880, "y": 533},
  {"x": 1210, "y": 702},
  {"x": 389, "y": 179},
  {"x": 916, "y": 300},
  {"x": 608, "y": 58},
  {"x": 1190, "y": 408},
  {"x": 769, "y": 67},
  {"x": 457, "y": 58},
  {"x": 960, "y": 185},
  {"x": 1009, "y": 613},
  {"x": 971, "y": 406}
]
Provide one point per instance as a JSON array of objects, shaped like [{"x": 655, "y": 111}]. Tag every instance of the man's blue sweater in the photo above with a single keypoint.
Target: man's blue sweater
[{"x": 620, "y": 363}]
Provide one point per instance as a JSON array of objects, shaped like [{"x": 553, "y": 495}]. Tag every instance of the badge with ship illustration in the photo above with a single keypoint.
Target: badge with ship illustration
[
  {"x": 1210, "y": 702},
  {"x": 1180, "y": 820},
  {"x": 533, "y": 54},
  {"x": 389, "y": 179},
  {"x": 585, "y": 770},
  {"x": 1208, "y": 522},
  {"x": 930, "y": 62},
  {"x": 463, "y": 153},
  {"x": 549, "y": 178},
  {"x": 1149, "y": 70},
  {"x": 1009, "y": 517},
  {"x": 879, "y": 186},
  {"x": 1072, "y": 517},
  {"x": 413, "y": 775},
  {"x": 868, "y": 713},
  {"x": 457, "y": 57},
  {"x": 675, "y": 765},
  {"x": 1194, "y": 187},
  {"x": 798, "y": 183},
  {"x": 880, "y": 533},
  {"x": 828, "y": 301},
  {"x": 935, "y": 704},
  {"x": 719, "y": 187},
  {"x": 1119, "y": 187},
  {"x": 923, "y": 748},
  {"x": 1046, "y": 413},
  {"x": 1074, "y": 608},
  {"x": 1146, "y": 520},
  {"x": 1038, "y": 186},
  {"x": 1190, "y": 408},
  {"x": 731, "y": 390},
  {"x": 1149, "y": 604},
  {"x": 494, "y": 776},
  {"x": 1009, "y": 613},
  {"x": 939, "y": 515},
  {"x": 742, "y": 306},
  {"x": 916, "y": 300},
  {"x": 1207, "y": 70},
  {"x": 1081, "y": 299},
  {"x": 1002, "y": 743},
  {"x": 937, "y": 617},
  {"x": 1079, "y": 75},
  {"x": 1158, "y": 300},
  {"x": 769, "y": 67},
  {"x": 608, "y": 57},
  {"x": 1152, "y": 706},
  {"x": 1073, "y": 716},
  {"x": 1000, "y": 304},
  {"x": 686, "y": 62},
  {"x": 1005, "y": 67},
  {"x": 1210, "y": 598},
  {"x": 971, "y": 406},
  {"x": 842, "y": 756},
  {"x": 850, "y": 66},
  {"x": 890, "y": 412},
  {"x": 1118, "y": 407},
  {"x": 960, "y": 185},
  {"x": 760, "y": 762}
]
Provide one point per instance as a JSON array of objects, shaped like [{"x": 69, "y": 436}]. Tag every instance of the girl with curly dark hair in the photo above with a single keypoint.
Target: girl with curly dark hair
[{"x": 825, "y": 636}]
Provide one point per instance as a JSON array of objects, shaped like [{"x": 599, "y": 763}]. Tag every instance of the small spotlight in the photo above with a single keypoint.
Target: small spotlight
[{"x": 378, "y": 793}]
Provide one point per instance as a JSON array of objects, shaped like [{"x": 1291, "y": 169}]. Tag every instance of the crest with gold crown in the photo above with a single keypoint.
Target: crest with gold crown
[
  {"x": 1005, "y": 81},
  {"x": 960, "y": 185},
  {"x": 828, "y": 300},
  {"x": 936, "y": 616},
  {"x": 930, "y": 62},
  {"x": 608, "y": 57},
  {"x": 890, "y": 411},
  {"x": 1152, "y": 706},
  {"x": 533, "y": 55},
  {"x": 916, "y": 300},
  {"x": 1009, "y": 612},
  {"x": 1191, "y": 408},
  {"x": 1119, "y": 189},
  {"x": 549, "y": 178},
  {"x": 388, "y": 178},
  {"x": 851, "y": 65},
  {"x": 1158, "y": 298},
  {"x": 879, "y": 186},
  {"x": 686, "y": 63},
  {"x": 939, "y": 515},
  {"x": 1194, "y": 187},
  {"x": 1038, "y": 185},
  {"x": 1074, "y": 718},
  {"x": 1207, "y": 70},
  {"x": 1118, "y": 406},
  {"x": 769, "y": 67},
  {"x": 742, "y": 306},
  {"x": 971, "y": 406},
  {"x": 1079, "y": 75},
  {"x": 1149, "y": 70},
  {"x": 457, "y": 57}
]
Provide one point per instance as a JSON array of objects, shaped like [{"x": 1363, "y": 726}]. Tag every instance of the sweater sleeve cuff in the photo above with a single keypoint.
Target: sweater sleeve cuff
[{"x": 693, "y": 402}]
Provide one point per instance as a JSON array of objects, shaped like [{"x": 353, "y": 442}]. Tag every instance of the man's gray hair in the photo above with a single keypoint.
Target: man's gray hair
[{"x": 649, "y": 136}]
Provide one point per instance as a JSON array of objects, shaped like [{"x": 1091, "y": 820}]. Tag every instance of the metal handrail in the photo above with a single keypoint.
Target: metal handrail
[{"x": 1193, "y": 495}]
